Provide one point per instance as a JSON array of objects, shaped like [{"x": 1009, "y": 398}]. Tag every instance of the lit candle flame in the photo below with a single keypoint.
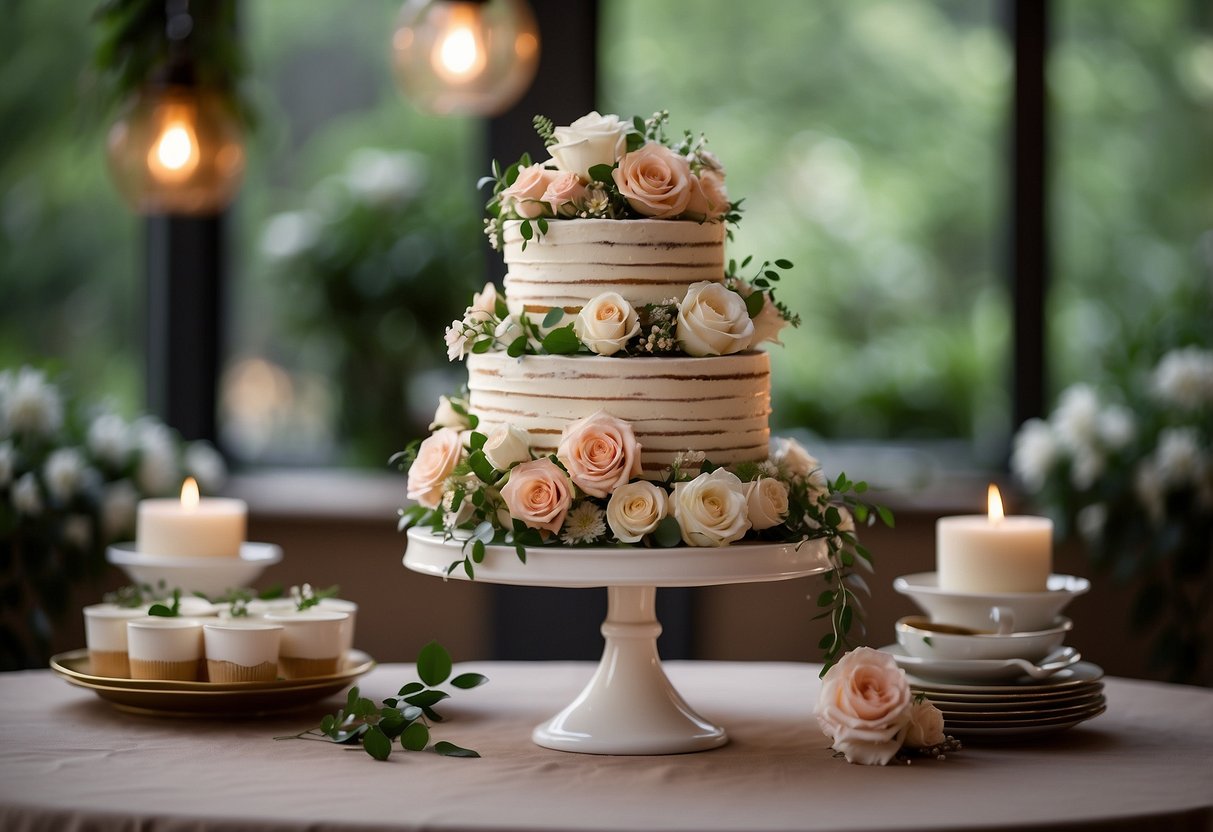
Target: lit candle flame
[
  {"x": 189, "y": 493},
  {"x": 994, "y": 501}
]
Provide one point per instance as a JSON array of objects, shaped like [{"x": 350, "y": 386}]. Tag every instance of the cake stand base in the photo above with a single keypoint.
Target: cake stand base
[{"x": 629, "y": 706}]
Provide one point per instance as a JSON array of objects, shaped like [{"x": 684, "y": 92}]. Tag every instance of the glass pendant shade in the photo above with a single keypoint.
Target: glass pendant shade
[
  {"x": 465, "y": 57},
  {"x": 177, "y": 150}
]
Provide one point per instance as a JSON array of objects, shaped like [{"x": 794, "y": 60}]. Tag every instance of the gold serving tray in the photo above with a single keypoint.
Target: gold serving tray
[{"x": 202, "y": 699}]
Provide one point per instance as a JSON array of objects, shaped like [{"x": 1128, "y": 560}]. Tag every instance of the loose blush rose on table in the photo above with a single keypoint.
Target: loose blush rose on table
[{"x": 867, "y": 711}]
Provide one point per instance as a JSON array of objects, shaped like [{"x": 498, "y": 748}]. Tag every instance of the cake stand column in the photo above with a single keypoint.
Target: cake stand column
[{"x": 629, "y": 706}]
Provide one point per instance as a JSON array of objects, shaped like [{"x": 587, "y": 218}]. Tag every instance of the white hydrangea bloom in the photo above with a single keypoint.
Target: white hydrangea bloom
[
  {"x": 1076, "y": 419},
  {"x": 118, "y": 504},
  {"x": 1087, "y": 464},
  {"x": 1184, "y": 377},
  {"x": 1178, "y": 457},
  {"x": 27, "y": 496},
  {"x": 31, "y": 405},
  {"x": 64, "y": 474},
  {"x": 109, "y": 440},
  {"x": 1034, "y": 453},
  {"x": 1147, "y": 485},
  {"x": 1117, "y": 427}
]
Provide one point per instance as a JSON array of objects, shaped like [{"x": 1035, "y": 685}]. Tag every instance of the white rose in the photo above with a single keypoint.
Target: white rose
[
  {"x": 635, "y": 510},
  {"x": 484, "y": 304},
  {"x": 791, "y": 456},
  {"x": 446, "y": 416},
  {"x": 711, "y": 509},
  {"x": 864, "y": 706},
  {"x": 506, "y": 445},
  {"x": 924, "y": 727},
  {"x": 767, "y": 323},
  {"x": 607, "y": 323},
  {"x": 766, "y": 503},
  {"x": 713, "y": 320},
  {"x": 64, "y": 474},
  {"x": 591, "y": 140}
]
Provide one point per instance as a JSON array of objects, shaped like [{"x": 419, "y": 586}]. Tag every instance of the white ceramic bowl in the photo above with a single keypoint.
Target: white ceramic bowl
[
  {"x": 920, "y": 637},
  {"x": 1032, "y": 610},
  {"x": 209, "y": 575}
]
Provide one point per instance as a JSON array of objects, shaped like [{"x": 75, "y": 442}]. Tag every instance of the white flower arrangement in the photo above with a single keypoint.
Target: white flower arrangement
[
  {"x": 70, "y": 480},
  {"x": 1131, "y": 471}
]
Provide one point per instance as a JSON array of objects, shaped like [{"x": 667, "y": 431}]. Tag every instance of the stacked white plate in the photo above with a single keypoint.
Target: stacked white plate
[{"x": 1019, "y": 708}]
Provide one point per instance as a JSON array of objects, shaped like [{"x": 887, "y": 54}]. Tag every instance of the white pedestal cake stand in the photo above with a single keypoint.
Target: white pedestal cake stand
[{"x": 629, "y": 706}]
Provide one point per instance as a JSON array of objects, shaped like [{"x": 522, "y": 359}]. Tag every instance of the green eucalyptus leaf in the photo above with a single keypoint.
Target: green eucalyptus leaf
[
  {"x": 377, "y": 744},
  {"x": 517, "y": 347},
  {"x": 449, "y": 749},
  {"x": 783, "y": 264},
  {"x": 754, "y": 303},
  {"x": 467, "y": 681},
  {"x": 416, "y": 737},
  {"x": 427, "y": 698},
  {"x": 433, "y": 666},
  {"x": 477, "y": 440},
  {"x": 553, "y": 317},
  {"x": 562, "y": 341},
  {"x": 601, "y": 173},
  {"x": 668, "y": 533},
  {"x": 481, "y": 467}
]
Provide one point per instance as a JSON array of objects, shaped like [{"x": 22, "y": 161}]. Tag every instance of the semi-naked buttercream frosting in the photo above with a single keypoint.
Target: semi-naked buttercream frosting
[
  {"x": 645, "y": 261},
  {"x": 718, "y": 405}
]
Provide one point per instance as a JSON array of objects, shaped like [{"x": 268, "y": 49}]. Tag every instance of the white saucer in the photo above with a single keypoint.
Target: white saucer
[
  {"x": 208, "y": 575},
  {"x": 1033, "y": 610},
  {"x": 978, "y": 670},
  {"x": 1077, "y": 677}
]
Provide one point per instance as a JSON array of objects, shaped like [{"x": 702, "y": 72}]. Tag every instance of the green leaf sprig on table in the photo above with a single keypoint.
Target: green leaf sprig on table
[{"x": 404, "y": 718}]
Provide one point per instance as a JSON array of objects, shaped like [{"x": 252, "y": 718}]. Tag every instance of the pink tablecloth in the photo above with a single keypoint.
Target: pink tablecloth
[{"x": 69, "y": 761}]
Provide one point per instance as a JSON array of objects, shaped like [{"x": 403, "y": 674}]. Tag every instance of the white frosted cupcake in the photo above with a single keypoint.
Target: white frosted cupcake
[
  {"x": 241, "y": 650},
  {"x": 165, "y": 648},
  {"x": 350, "y": 609},
  {"x": 311, "y": 642},
  {"x": 258, "y": 608},
  {"x": 105, "y": 636}
]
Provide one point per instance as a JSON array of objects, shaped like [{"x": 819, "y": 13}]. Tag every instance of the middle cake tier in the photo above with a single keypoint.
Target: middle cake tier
[{"x": 719, "y": 405}]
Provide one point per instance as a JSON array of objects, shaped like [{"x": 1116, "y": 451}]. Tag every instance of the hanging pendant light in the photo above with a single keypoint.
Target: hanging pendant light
[
  {"x": 465, "y": 57},
  {"x": 177, "y": 149}
]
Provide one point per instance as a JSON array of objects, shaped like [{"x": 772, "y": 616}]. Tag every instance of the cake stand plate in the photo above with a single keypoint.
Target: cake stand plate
[
  {"x": 208, "y": 575},
  {"x": 629, "y": 705}
]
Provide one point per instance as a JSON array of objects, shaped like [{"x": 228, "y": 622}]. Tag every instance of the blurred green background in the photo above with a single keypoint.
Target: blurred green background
[{"x": 868, "y": 138}]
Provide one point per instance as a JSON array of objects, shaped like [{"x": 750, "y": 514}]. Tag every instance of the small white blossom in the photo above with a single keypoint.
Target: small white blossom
[
  {"x": 1091, "y": 520},
  {"x": 30, "y": 405},
  {"x": 459, "y": 341},
  {"x": 1117, "y": 427},
  {"x": 1076, "y": 419},
  {"x": 1178, "y": 457},
  {"x": 157, "y": 472},
  {"x": 767, "y": 468},
  {"x": 109, "y": 440},
  {"x": 1184, "y": 377},
  {"x": 1087, "y": 465},
  {"x": 1034, "y": 454},
  {"x": 27, "y": 496},
  {"x": 64, "y": 473},
  {"x": 584, "y": 524}
]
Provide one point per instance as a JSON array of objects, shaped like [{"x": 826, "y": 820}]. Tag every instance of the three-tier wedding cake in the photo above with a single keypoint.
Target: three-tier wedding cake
[{"x": 616, "y": 393}]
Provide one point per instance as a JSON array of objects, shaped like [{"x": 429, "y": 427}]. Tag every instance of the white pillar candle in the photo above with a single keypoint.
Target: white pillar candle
[
  {"x": 992, "y": 553},
  {"x": 191, "y": 526}
]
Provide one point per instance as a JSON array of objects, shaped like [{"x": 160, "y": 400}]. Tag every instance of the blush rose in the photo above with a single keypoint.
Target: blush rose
[
  {"x": 600, "y": 453},
  {"x": 655, "y": 180},
  {"x": 525, "y": 196},
  {"x": 436, "y": 458},
  {"x": 864, "y": 706},
  {"x": 539, "y": 494}
]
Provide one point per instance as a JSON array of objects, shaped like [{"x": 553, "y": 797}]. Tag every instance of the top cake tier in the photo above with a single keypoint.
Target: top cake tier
[{"x": 645, "y": 261}]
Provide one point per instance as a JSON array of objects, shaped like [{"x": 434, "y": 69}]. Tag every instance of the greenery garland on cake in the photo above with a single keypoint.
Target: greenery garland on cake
[{"x": 491, "y": 488}]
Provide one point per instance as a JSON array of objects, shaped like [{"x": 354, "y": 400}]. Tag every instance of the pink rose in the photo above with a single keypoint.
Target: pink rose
[
  {"x": 655, "y": 180},
  {"x": 436, "y": 458},
  {"x": 564, "y": 194},
  {"x": 865, "y": 706},
  {"x": 539, "y": 494},
  {"x": 709, "y": 199},
  {"x": 924, "y": 727},
  {"x": 600, "y": 452},
  {"x": 525, "y": 196}
]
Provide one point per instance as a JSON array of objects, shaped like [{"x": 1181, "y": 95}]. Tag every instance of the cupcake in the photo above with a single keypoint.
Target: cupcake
[
  {"x": 350, "y": 609},
  {"x": 241, "y": 650},
  {"x": 311, "y": 642},
  {"x": 165, "y": 648},
  {"x": 105, "y": 635}
]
